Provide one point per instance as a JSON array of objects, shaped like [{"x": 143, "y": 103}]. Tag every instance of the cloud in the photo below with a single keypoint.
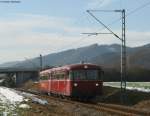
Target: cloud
[
  {"x": 135, "y": 38},
  {"x": 98, "y": 3},
  {"x": 29, "y": 35}
]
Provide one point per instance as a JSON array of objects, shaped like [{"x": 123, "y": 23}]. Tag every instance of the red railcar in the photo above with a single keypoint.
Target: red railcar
[{"x": 77, "y": 80}]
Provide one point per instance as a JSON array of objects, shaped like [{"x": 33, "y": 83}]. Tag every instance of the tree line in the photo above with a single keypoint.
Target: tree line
[{"x": 134, "y": 74}]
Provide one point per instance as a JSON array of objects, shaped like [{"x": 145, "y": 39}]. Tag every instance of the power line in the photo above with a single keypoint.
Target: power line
[
  {"x": 130, "y": 13},
  {"x": 138, "y": 8}
]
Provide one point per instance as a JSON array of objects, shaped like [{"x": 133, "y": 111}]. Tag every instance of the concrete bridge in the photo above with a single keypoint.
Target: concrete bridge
[{"x": 20, "y": 75}]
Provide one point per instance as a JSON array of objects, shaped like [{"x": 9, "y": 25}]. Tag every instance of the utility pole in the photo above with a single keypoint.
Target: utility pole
[
  {"x": 123, "y": 59},
  {"x": 123, "y": 47},
  {"x": 41, "y": 63}
]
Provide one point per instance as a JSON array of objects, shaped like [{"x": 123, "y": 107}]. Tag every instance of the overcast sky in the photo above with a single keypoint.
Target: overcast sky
[{"x": 34, "y": 27}]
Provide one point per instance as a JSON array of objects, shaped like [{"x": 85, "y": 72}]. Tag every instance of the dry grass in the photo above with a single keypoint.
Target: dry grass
[
  {"x": 145, "y": 104},
  {"x": 31, "y": 85},
  {"x": 113, "y": 95}
]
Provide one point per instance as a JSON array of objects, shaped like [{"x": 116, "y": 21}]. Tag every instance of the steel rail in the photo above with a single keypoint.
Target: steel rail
[{"x": 102, "y": 107}]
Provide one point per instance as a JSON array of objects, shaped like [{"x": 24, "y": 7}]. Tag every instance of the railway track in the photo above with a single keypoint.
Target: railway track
[
  {"x": 102, "y": 107},
  {"x": 114, "y": 109}
]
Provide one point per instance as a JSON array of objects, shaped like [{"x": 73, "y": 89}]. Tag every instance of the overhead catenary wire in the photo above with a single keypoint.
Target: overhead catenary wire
[
  {"x": 127, "y": 14},
  {"x": 138, "y": 8}
]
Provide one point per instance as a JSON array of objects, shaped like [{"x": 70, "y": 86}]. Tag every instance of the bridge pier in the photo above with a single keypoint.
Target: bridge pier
[{"x": 20, "y": 76}]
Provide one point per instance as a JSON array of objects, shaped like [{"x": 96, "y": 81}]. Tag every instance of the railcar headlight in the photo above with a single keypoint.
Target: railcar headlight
[
  {"x": 75, "y": 84},
  {"x": 97, "y": 84}
]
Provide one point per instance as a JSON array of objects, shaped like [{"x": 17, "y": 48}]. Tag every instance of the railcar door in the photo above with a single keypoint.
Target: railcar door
[
  {"x": 67, "y": 84},
  {"x": 62, "y": 82},
  {"x": 54, "y": 83},
  {"x": 50, "y": 83}
]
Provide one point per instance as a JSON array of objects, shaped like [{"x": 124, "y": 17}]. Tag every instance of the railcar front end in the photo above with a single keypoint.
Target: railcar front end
[{"x": 86, "y": 83}]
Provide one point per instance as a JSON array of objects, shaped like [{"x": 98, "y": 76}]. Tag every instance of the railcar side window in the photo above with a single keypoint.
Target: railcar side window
[
  {"x": 59, "y": 75},
  {"x": 44, "y": 77}
]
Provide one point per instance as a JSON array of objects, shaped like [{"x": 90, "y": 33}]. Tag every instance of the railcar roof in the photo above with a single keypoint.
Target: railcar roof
[
  {"x": 71, "y": 67},
  {"x": 85, "y": 65}
]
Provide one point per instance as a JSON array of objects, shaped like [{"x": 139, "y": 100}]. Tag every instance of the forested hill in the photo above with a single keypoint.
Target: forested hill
[
  {"x": 105, "y": 55},
  {"x": 108, "y": 56}
]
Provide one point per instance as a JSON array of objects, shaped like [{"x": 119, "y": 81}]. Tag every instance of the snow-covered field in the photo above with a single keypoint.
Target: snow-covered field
[
  {"x": 9, "y": 101},
  {"x": 12, "y": 102},
  {"x": 139, "y": 86}
]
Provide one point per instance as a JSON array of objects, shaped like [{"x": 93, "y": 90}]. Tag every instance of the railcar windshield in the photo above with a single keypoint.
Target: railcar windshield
[{"x": 86, "y": 74}]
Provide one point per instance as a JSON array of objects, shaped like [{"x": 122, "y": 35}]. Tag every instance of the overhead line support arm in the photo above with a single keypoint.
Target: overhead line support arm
[{"x": 88, "y": 11}]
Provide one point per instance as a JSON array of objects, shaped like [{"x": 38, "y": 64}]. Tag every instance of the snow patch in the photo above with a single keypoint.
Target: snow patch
[
  {"x": 1, "y": 80},
  {"x": 11, "y": 95},
  {"x": 112, "y": 49},
  {"x": 139, "y": 89},
  {"x": 40, "y": 101},
  {"x": 26, "y": 106},
  {"x": 113, "y": 84}
]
